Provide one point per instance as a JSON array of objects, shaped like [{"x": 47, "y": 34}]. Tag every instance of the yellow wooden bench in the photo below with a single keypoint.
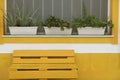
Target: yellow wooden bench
[{"x": 43, "y": 64}]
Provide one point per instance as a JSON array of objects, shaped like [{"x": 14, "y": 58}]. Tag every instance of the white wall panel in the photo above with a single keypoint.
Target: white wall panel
[{"x": 79, "y": 48}]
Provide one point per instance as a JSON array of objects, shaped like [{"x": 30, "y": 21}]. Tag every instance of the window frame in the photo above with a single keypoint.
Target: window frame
[{"x": 63, "y": 39}]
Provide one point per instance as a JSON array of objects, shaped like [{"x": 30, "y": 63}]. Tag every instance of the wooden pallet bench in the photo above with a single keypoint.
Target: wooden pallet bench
[{"x": 43, "y": 64}]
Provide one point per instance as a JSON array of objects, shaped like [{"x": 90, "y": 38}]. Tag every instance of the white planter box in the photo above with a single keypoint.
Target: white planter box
[
  {"x": 90, "y": 30},
  {"x": 23, "y": 30},
  {"x": 57, "y": 31}
]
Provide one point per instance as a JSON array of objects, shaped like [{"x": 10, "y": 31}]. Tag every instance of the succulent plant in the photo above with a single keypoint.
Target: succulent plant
[{"x": 21, "y": 17}]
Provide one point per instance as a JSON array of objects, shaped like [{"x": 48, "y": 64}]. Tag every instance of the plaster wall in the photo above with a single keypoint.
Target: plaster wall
[{"x": 79, "y": 48}]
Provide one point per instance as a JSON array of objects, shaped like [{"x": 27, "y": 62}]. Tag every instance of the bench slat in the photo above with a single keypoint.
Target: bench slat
[
  {"x": 15, "y": 67},
  {"x": 44, "y": 65},
  {"x": 43, "y": 60},
  {"x": 43, "y": 74},
  {"x": 43, "y": 53}
]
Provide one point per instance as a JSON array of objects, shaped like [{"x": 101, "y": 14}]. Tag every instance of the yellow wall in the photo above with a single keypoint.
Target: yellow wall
[
  {"x": 5, "y": 61},
  {"x": 91, "y": 66}
]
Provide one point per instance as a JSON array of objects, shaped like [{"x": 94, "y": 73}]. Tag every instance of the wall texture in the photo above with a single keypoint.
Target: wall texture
[{"x": 91, "y": 66}]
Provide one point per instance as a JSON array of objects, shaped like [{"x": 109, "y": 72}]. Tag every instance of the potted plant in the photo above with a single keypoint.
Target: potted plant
[
  {"x": 20, "y": 22},
  {"x": 90, "y": 24},
  {"x": 55, "y": 25}
]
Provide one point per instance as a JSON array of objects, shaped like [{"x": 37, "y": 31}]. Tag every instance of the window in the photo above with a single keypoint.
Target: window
[
  {"x": 65, "y": 10},
  {"x": 69, "y": 5}
]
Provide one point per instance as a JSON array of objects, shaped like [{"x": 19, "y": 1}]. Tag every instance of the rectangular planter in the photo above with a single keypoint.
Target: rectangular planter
[
  {"x": 14, "y": 30},
  {"x": 57, "y": 31},
  {"x": 90, "y": 30}
]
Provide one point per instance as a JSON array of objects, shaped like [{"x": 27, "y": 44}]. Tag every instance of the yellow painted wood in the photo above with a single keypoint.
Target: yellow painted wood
[
  {"x": 43, "y": 53},
  {"x": 91, "y": 66},
  {"x": 46, "y": 64},
  {"x": 43, "y": 56},
  {"x": 1, "y": 19},
  {"x": 58, "y": 40},
  {"x": 42, "y": 74},
  {"x": 44, "y": 60},
  {"x": 114, "y": 40},
  {"x": 114, "y": 17},
  {"x": 14, "y": 67}
]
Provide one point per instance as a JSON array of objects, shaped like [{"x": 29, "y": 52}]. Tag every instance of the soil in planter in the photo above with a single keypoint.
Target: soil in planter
[{"x": 40, "y": 31}]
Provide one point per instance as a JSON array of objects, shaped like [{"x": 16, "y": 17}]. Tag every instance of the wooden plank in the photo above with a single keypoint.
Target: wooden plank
[
  {"x": 44, "y": 65},
  {"x": 21, "y": 69},
  {"x": 1, "y": 20},
  {"x": 43, "y": 53},
  {"x": 114, "y": 16},
  {"x": 43, "y": 74},
  {"x": 36, "y": 64},
  {"x": 44, "y": 60}
]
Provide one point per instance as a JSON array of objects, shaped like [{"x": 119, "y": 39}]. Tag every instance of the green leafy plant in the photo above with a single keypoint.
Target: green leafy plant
[
  {"x": 109, "y": 23},
  {"x": 90, "y": 20},
  {"x": 77, "y": 22},
  {"x": 52, "y": 21},
  {"x": 63, "y": 24},
  {"x": 21, "y": 17}
]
